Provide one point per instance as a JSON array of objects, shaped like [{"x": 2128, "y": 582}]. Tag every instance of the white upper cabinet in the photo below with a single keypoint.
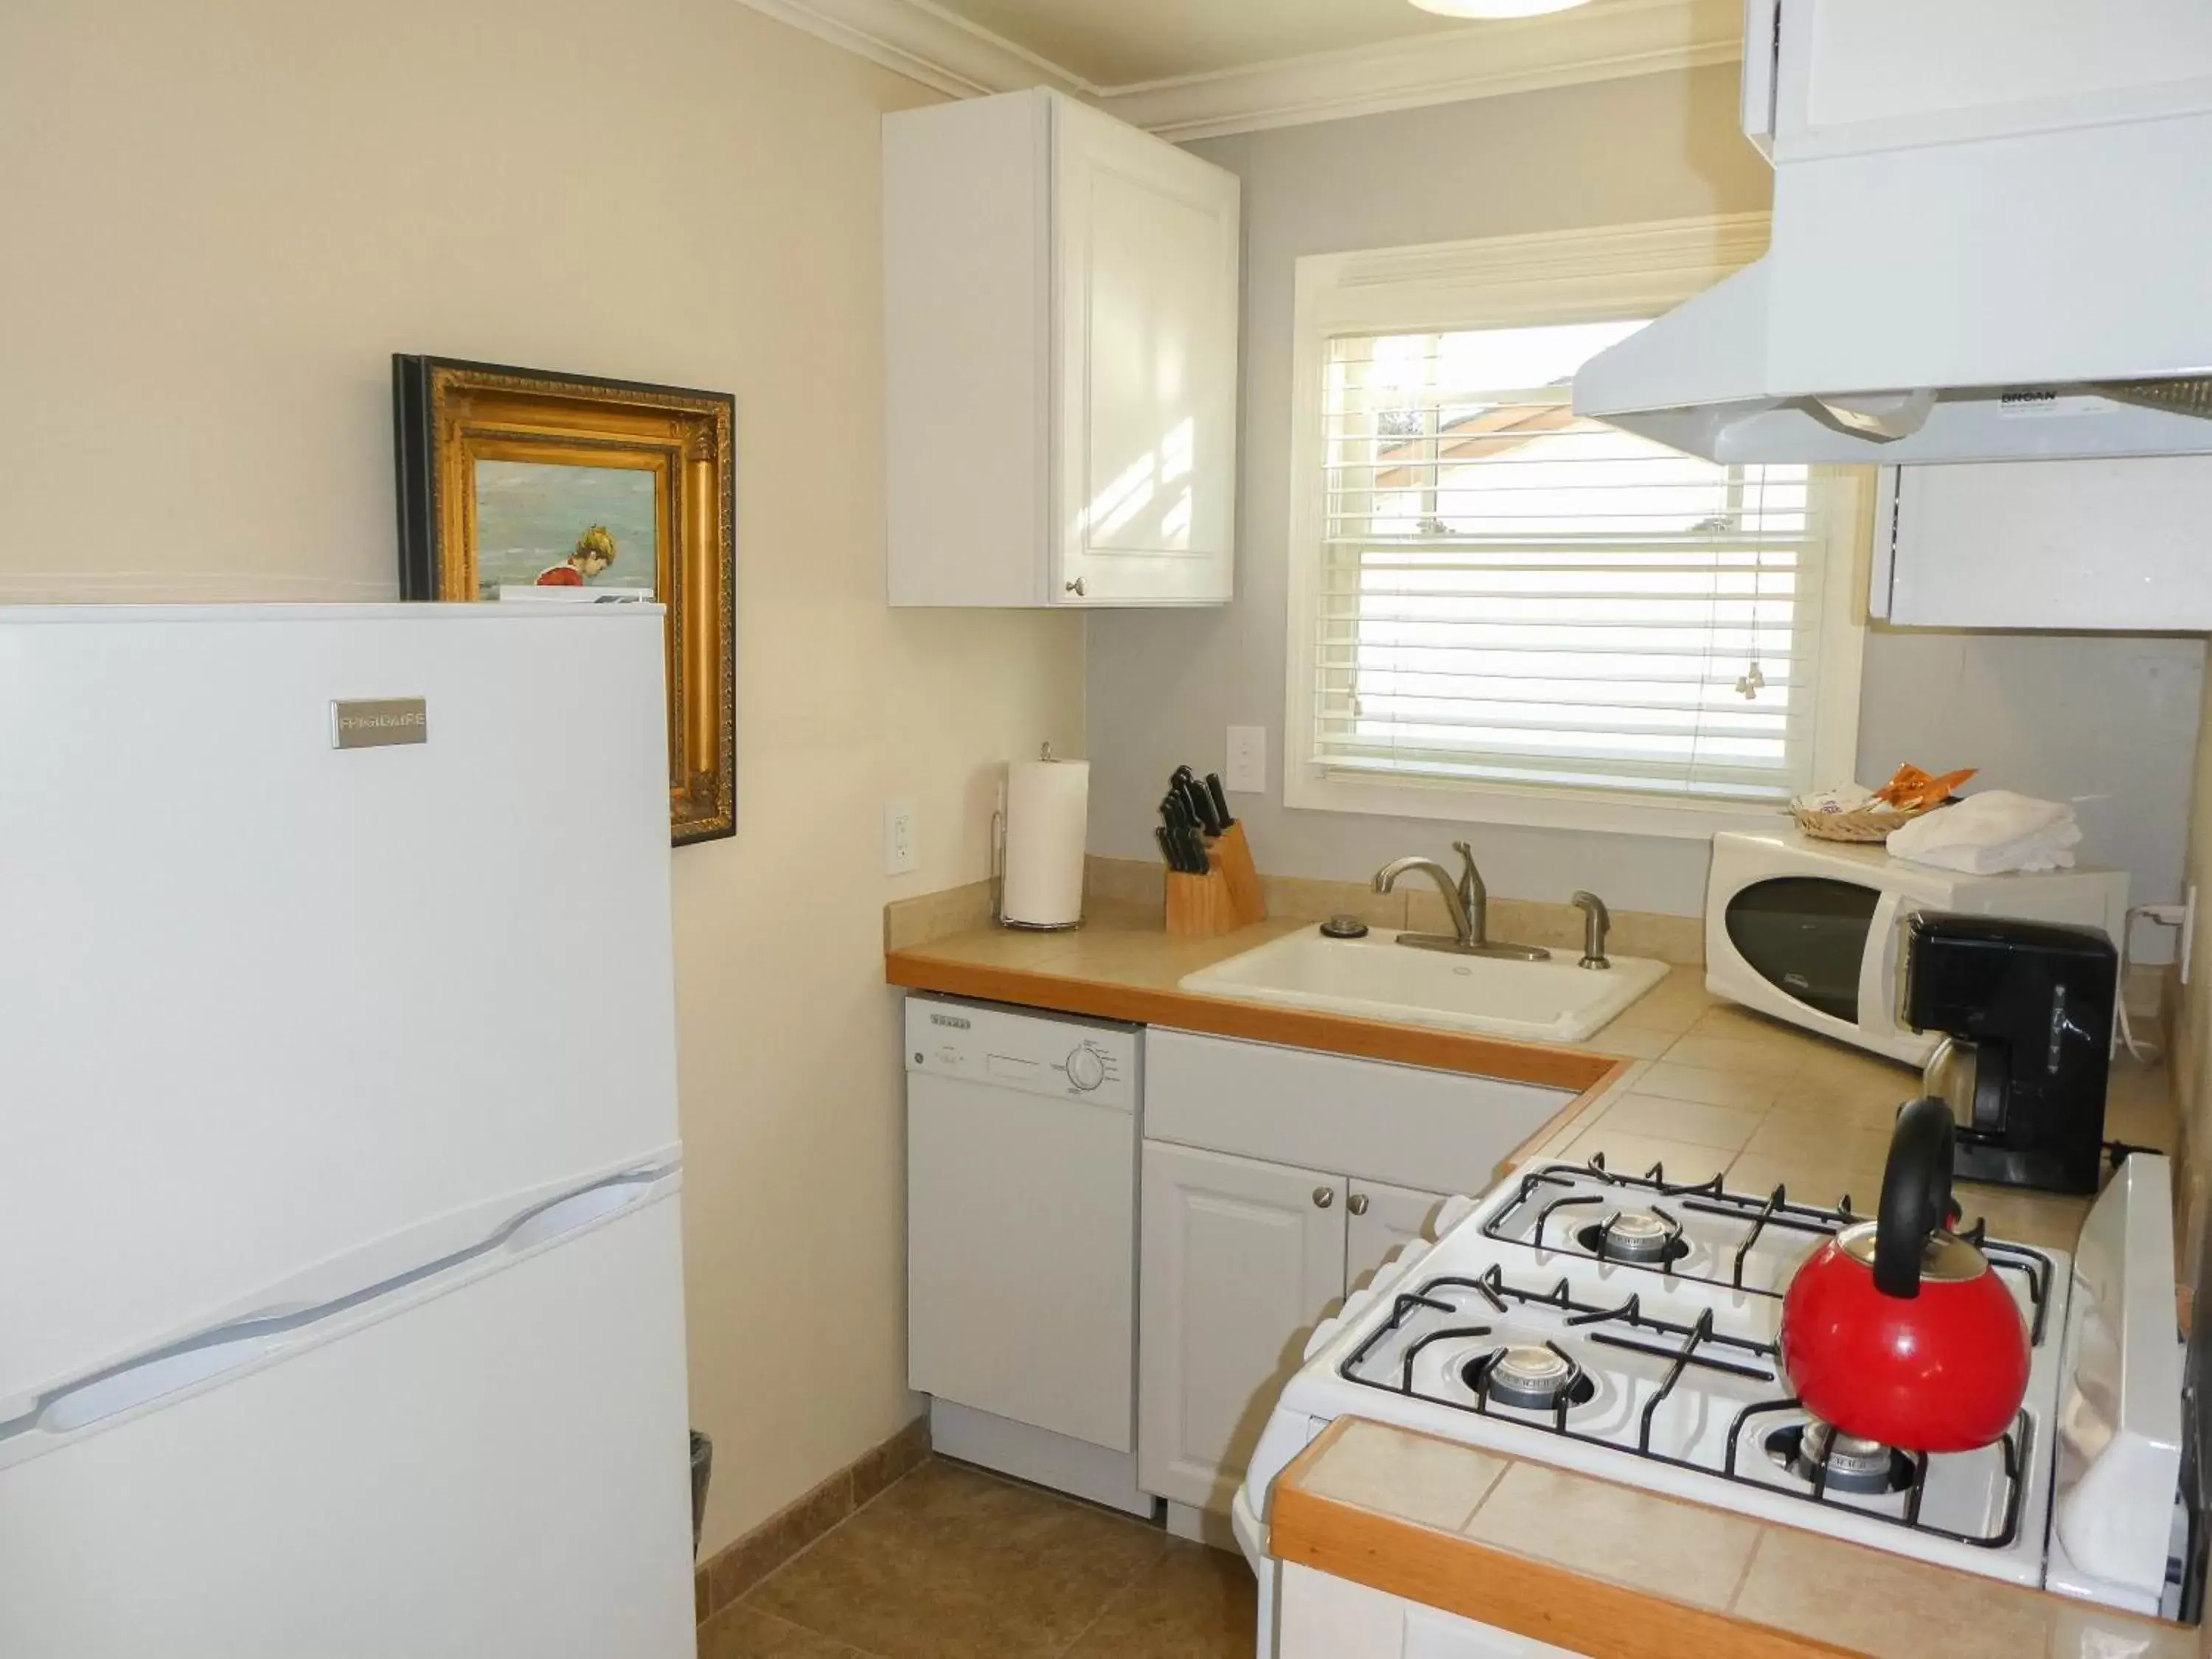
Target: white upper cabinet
[
  {"x": 1832, "y": 76},
  {"x": 2090, "y": 546},
  {"x": 1062, "y": 296}
]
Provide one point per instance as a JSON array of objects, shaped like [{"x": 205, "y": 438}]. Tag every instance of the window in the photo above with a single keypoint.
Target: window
[{"x": 1506, "y": 612}]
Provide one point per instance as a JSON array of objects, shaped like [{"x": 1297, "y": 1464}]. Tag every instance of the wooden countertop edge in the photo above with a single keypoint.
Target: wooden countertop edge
[
  {"x": 1544, "y": 1600},
  {"x": 1535, "y": 1599},
  {"x": 1407, "y": 1045}
]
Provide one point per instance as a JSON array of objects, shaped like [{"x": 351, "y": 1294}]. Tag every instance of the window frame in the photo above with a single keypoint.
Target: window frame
[{"x": 1517, "y": 281}]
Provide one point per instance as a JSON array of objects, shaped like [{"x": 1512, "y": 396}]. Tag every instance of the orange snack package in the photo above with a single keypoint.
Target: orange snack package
[{"x": 1912, "y": 789}]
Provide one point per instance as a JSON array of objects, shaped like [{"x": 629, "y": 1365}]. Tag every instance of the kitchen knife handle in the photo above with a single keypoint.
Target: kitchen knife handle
[
  {"x": 1167, "y": 848},
  {"x": 1201, "y": 806},
  {"x": 1220, "y": 798}
]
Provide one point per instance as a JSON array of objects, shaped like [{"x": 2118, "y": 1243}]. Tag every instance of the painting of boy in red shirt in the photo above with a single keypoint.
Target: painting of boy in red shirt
[{"x": 595, "y": 551}]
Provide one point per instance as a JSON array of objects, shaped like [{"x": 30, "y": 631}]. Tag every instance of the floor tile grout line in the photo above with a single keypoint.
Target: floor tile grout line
[
  {"x": 1060, "y": 1498},
  {"x": 838, "y": 1641},
  {"x": 1065, "y": 1500},
  {"x": 1076, "y": 1640},
  {"x": 1125, "y": 1588},
  {"x": 815, "y": 1543}
]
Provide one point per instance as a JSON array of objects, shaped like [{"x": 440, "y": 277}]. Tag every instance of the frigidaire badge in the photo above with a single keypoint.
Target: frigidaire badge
[{"x": 379, "y": 722}]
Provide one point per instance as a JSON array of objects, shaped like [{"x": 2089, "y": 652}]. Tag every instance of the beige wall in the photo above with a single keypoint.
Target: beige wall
[
  {"x": 221, "y": 219},
  {"x": 2110, "y": 722}
]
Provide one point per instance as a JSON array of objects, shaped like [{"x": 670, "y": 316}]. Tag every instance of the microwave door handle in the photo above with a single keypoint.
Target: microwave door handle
[{"x": 1879, "y": 969}]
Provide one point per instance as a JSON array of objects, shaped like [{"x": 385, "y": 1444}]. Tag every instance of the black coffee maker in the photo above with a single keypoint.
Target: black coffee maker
[{"x": 2026, "y": 1009}]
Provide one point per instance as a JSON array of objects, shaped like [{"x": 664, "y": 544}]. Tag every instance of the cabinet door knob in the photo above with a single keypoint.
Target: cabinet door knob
[
  {"x": 1323, "y": 1197},
  {"x": 1076, "y": 588},
  {"x": 1356, "y": 1204}
]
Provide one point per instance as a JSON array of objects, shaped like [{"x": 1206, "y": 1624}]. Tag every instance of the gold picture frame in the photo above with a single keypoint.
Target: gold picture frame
[{"x": 498, "y": 467}]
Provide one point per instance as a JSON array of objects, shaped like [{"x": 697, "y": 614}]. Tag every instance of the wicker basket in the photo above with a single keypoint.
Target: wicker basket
[{"x": 1864, "y": 827}]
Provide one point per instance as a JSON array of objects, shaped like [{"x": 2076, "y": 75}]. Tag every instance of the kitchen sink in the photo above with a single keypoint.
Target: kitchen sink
[{"x": 1377, "y": 978}]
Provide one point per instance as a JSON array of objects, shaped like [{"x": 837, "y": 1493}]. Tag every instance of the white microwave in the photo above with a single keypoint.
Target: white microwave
[{"x": 1810, "y": 930}]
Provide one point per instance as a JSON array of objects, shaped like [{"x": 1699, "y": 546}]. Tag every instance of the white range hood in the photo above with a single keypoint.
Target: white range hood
[{"x": 1950, "y": 279}]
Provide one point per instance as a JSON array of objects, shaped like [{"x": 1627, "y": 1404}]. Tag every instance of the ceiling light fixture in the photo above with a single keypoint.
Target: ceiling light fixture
[{"x": 1495, "y": 8}]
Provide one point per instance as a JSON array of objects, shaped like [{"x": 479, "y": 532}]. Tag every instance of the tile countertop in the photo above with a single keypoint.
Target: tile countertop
[
  {"x": 1715, "y": 1089},
  {"x": 1681, "y": 1078},
  {"x": 1596, "y": 1568}
]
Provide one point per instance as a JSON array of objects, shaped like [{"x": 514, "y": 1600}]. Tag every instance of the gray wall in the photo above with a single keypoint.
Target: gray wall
[{"x": 2111, "y": 720}]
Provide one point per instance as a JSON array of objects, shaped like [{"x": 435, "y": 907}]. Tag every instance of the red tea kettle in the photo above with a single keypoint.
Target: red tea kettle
[{"x": 1896, "y": 1330}]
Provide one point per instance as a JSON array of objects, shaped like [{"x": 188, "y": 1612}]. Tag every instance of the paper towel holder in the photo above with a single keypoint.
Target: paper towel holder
[{"x": 999, "y": 868}]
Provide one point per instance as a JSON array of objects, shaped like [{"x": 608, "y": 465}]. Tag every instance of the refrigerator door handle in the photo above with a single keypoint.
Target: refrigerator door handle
[{"x": 208, "y": 1354}]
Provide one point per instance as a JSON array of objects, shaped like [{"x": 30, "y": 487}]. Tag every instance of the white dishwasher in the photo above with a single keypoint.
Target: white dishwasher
[{"x": 1022, "y": 1138}]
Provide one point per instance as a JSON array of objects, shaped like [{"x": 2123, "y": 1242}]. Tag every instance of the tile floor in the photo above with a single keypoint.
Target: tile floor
[{"x": 950, "y": 1563}]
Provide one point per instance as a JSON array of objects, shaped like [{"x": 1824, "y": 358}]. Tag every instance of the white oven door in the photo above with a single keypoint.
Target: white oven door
[{"x": 1819, "y": 951}]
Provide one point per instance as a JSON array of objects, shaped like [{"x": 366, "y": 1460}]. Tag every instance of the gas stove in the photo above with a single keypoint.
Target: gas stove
[
  {"x": 1626, "y": 1326},
  {"x": 1703, "y": 1232},
  {"x": 1690, "y": 1384}
]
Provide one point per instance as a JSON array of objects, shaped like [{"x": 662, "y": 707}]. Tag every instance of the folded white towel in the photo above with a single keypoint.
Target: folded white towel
[{"x": 1993, "y": 831}]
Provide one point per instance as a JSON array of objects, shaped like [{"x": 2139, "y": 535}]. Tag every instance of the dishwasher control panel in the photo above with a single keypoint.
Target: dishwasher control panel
[{"x": 1066, "y": 1059}]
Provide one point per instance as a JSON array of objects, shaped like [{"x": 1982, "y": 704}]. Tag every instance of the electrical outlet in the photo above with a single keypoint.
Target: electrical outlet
[
  {"x": 1247, "y": 771},
  {"x": 901, "y": 851}
]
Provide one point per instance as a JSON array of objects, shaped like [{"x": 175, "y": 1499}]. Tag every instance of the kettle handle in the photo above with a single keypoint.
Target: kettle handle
[{"x": 1915, "y": 1195}]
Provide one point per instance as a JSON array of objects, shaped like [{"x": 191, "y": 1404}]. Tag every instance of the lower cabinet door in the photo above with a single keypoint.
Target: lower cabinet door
[
  {"x": 1240, "y": 1259},
  {"x": 1378, "y": 1219}
]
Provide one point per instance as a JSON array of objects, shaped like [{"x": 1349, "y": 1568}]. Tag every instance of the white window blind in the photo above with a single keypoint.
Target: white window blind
[{"x": 1512, "y": 595}]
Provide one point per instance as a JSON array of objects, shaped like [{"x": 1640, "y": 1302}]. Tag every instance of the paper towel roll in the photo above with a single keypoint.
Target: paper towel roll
[{"x": 1046, "y": 801}]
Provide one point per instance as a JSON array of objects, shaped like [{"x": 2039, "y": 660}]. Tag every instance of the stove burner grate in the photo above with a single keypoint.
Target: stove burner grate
[
  {"x": 1823, "y": 1474},
  {"x": 1695, "y": 1345},
  {"x": 1530, "y": 1378},
  {"x": 1709, "y": 1197},
  {"x": 1814, "y": 1451},
  {"x": 1649, "y": 1238}
]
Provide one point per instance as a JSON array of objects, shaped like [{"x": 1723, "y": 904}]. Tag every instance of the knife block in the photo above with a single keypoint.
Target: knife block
[
  {"x": 1232, "y": 859},
  {"x": 1199, "y": 907},
  {"x": 1226, "y": 897}
]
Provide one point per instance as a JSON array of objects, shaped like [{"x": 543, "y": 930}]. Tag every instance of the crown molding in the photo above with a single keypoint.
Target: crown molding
[
  {"x": 1489, "y": 60},
  {"x": 1503, "y": 282},
  {"x": 927, "y": 43},
  {"x": 924, "y": 43}
]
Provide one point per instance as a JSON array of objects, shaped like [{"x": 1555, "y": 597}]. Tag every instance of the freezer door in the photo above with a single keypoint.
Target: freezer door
[
  {"x": 499, "y": 1470},
  {"x": 266, "y": 1000}
]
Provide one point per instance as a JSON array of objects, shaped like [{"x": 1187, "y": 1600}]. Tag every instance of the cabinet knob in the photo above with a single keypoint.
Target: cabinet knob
[
  {"x": 1356, "y": 1204},
  {"x": 1076, "y": 588},
  {"x": 1323, "y": 1197}
]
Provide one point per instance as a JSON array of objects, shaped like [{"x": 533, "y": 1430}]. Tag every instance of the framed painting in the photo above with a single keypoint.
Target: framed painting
[{"x": 517, "y": 477}]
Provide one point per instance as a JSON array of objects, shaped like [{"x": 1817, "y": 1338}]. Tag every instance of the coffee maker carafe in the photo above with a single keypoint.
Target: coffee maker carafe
[{"x": 2026, "y": 1008}]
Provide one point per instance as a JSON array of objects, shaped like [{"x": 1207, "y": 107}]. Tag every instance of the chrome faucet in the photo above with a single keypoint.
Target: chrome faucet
[
  {"x": 1466, "y": 900},
  {"x": 1596, "y": 918}
]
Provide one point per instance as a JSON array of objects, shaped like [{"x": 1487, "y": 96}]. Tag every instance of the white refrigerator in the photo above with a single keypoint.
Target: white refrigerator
[{"x": 340, "y": 1303}]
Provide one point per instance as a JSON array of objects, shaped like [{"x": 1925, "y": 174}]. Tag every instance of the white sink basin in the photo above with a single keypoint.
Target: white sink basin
[{"x": 1377, "y": 978}]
